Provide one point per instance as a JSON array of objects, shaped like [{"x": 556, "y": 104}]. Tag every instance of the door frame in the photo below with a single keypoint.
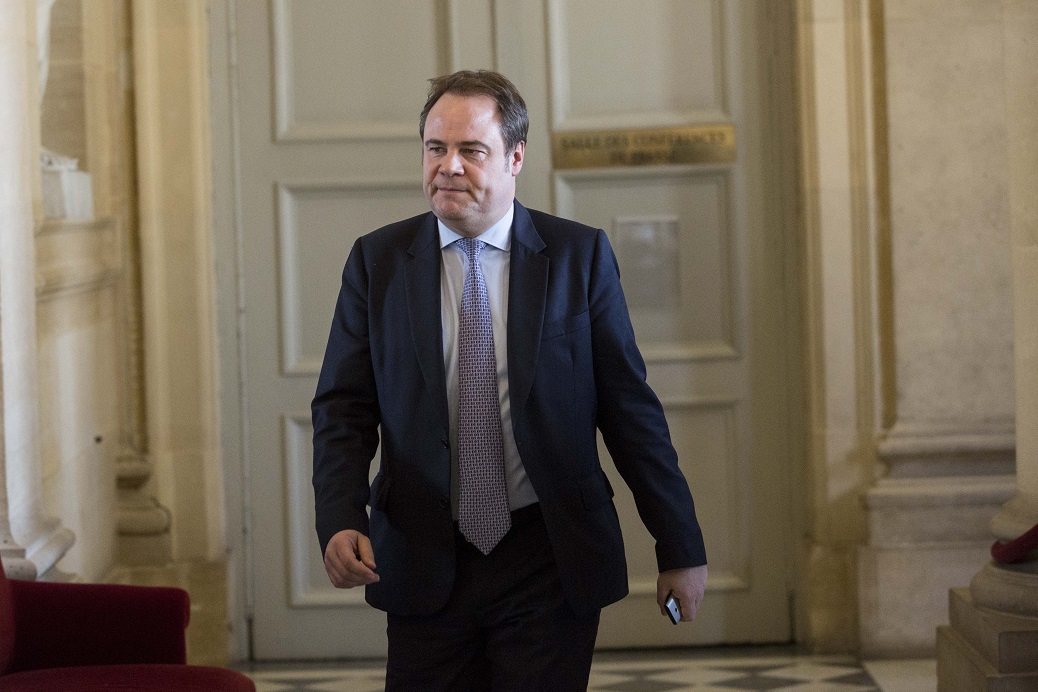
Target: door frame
[
  {"x": 230, "y": 308},
  {"x": 779, "y": 32}
]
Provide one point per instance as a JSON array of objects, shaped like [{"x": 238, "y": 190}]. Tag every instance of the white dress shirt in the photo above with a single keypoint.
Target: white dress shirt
[{"x": 494, "y": 261}]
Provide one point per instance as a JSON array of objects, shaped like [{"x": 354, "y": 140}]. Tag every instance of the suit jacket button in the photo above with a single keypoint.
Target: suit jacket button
[
  {"x": 445, "y": 443},
  {"x": 445, "y": 504}
]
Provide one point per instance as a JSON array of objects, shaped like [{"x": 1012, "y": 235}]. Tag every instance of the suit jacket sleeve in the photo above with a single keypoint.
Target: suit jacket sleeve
[
  {"x": 345, "y": 411},
  {"x": 631, "y": 420}
]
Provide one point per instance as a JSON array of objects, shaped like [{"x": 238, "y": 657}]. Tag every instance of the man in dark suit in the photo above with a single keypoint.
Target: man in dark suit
[{"x": 483, "y": 345}]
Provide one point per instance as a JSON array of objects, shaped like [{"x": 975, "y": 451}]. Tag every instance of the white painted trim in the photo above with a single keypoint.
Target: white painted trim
[
  {"x": 227, "y": 238},
  {"x": 697, "y": 351},
  {"x": 474, "y": 19}
]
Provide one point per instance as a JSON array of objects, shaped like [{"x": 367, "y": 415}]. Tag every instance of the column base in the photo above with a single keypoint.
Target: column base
[
  {"x": 48, "y": 549},
  {"x": 910, "y": 579},
  {"x": 17, "y": 567},
  {"x": 144, "y": 551},
  {"x": 986, "y": 650},
  {"x": 143, "y": 528},
  {"x": 38, "y": 561},
  {"x": 927, "y": 535},
  {"x": 1007, "y": 588}
]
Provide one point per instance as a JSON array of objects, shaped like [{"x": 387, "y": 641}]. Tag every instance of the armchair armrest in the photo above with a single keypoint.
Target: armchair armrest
[{"x": 58, "y": 625}]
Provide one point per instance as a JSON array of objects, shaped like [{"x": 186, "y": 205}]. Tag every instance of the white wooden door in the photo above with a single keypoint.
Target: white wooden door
[
  {"x": 703, "y": 296},
  {"x": 328, "y": 98}
]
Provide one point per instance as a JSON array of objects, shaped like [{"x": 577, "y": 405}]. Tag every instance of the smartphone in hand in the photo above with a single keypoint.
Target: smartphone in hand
[{"x": 673, "y": 608}]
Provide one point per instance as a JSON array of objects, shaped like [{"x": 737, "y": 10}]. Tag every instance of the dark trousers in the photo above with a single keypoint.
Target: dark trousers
[{"x": 506, "y": 625}]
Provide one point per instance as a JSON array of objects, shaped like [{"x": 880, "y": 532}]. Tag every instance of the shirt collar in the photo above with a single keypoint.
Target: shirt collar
[{"x": 499, "y": 235}]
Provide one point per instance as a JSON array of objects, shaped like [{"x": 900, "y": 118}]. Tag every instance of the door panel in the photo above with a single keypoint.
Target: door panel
[
  {"x": 329, "y": 93},
  {"x": 682, "y": 236},
  {"x": 635, "y": 64},
  {"x": 327, "y": 116}
]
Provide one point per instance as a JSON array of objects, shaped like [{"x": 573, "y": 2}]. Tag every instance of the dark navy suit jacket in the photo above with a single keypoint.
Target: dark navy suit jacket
[{"x": 573, "y": 367}]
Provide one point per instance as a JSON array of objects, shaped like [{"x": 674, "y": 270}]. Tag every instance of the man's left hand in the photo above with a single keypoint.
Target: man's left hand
[{"x": 687, "y": 585}]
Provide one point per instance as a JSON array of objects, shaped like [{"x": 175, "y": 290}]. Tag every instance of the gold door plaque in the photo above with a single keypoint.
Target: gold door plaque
[{"x": 644, "y": 147}]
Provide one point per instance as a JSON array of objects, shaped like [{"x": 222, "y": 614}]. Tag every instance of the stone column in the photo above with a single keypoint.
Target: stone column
[
  {"x": 12, "y": 554},
  {"x": 12, "y": 43},
  {"x": 992, "y": 643},
  {"x": 143, "y": 525},
  {"x": 32, "y": 535},
  {"x": 944, "y": 317},
  {"x": 171, "y": 90}
]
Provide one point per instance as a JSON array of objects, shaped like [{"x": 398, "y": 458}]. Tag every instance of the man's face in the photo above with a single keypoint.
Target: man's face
[{"x": 469, "y": 178}]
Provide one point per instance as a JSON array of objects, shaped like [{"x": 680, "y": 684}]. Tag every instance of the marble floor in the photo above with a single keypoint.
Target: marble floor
[
  {"x": 727, "y": 669},
  {"x": 703, "y": 670}
]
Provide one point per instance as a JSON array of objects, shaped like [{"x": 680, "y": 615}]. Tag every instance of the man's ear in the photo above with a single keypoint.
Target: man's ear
[{"x": 515, "y": 159}]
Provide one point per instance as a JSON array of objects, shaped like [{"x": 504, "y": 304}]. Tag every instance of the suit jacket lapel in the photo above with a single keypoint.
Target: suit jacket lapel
[
  {"x": 527, "y": 292},
  {"x": 423, "y": 305}
]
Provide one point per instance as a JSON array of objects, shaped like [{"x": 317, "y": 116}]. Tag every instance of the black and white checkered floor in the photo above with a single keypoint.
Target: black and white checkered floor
[{"x": 657, "y": 672}]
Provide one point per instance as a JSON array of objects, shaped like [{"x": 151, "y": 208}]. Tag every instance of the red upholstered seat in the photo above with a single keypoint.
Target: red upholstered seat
[
  {"x": 80, "y": 637},
  {"x": 156, "y": 677}
]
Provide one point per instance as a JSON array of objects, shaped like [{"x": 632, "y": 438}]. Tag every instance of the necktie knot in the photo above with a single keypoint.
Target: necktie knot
[{"x": 472, "y": 248}]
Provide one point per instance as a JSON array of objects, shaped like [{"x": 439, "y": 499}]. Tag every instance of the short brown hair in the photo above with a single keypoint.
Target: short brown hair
[{"x": 515, "y": 121}]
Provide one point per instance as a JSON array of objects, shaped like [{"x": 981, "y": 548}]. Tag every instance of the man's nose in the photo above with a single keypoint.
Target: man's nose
[{"x": 452, "y": 164}]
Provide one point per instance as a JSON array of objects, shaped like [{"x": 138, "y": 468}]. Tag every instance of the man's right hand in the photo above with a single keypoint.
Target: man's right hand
[{"x": 349, "y": 560}]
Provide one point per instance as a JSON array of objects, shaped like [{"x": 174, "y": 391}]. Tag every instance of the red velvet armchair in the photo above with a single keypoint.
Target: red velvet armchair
[{"x": 84, "y": 637}]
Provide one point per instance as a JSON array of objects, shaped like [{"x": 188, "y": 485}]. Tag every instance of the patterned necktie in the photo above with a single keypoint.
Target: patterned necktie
[{"x": 483, "y": 516}]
